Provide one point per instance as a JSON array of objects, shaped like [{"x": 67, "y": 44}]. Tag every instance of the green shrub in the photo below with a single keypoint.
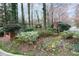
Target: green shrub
[
  {"x": 1, "y": 31},
  {"x": 26, "y": 29},
  {"x": 50, "y": 29},
  {"x": 28, "y": 36},
  {"x": 63, "y": 27},
  {"x": 45, "y": 33},
  {"x": 29, "y": 29},
  {"x": 76, "y": 35},
  {"x": 12, "y": 27},
  {"x": 66, "y": 34},
  {"x": 76, "y": 47}
]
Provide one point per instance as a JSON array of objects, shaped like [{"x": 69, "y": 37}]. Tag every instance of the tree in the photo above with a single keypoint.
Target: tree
[
  {"x": 32, "y": 14},
  {"x": 2, "y": 14},
  {"x": 52, "y": 6},
  {"x": 37, "y": 17},
  {"x": 22, "y": 9},
  {"x": 48, "y": 19},
  {"x": 77, "y": 15},
  {"x": 14, "y": 12},
  {"x": 62, "y": 13},
  {"x": 29, "y": 13},
  {"x": 9, "y": 12},
  {"x": 48, "y": 14},
  {"x": 5, "y": 12},
  {"x": 44, "y": 14}
]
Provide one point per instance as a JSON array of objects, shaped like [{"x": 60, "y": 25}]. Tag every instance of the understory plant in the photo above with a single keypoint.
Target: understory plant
[
  {"x": 1, "y": 31},
  {"x": 76, "y": 35},
  {"x": 66, "y": 34},
  {"x": 28, "y": 36},
  {"x": 46, "y": 32}
]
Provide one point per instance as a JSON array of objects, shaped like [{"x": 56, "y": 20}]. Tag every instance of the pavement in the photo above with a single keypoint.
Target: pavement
[{"x": 3, "y": 53}]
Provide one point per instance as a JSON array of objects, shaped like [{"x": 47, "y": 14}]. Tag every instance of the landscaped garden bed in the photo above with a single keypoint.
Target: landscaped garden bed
[{"x": 30, "y": 43}]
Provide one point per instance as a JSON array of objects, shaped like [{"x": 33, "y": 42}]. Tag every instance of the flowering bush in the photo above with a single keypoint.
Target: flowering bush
[{"x": 28, "y": 36}]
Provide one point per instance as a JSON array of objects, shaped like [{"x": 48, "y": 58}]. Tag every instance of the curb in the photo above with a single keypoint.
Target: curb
[{"x": 8, "y": 54}]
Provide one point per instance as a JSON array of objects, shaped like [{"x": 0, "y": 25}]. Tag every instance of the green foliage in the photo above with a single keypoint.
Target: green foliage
[
  {"x": 14, "y": 12},
  {"x": 76, "y": 35},
  {"x": 28, "y": 36},
  {"x": 1, "y": 31},
  {"x": 45, "y": 33},
  {"x": 28, "y": 29},
  {"x": 12, "y": 27},
  {"x": 62, "y": 27},
  {"x": 10, "y": 47},
  {"x": 50, "y": 29},
  {"x": 51, "y": 45},
  {"x": 66, "y": 34},
  {"x": 76, "y": 47},
  {"x": 5, "y": 45}
]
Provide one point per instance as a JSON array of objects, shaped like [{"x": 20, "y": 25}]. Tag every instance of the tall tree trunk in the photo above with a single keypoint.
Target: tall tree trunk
[
  {"x": 37, "y": 17},
  {"x": 32, "y": 13},
  {"x": 44, "y": 14},
  {"x": 52, "y": 13},
  {"x": 14, "y": 12},
  {"x": 22, "y": 9},
  {"x": 29, "y": 13},
  {"x": 9, "y": 12},
  {"x": 48, "y": 20},
  {"x": 5, "y": 12}
]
